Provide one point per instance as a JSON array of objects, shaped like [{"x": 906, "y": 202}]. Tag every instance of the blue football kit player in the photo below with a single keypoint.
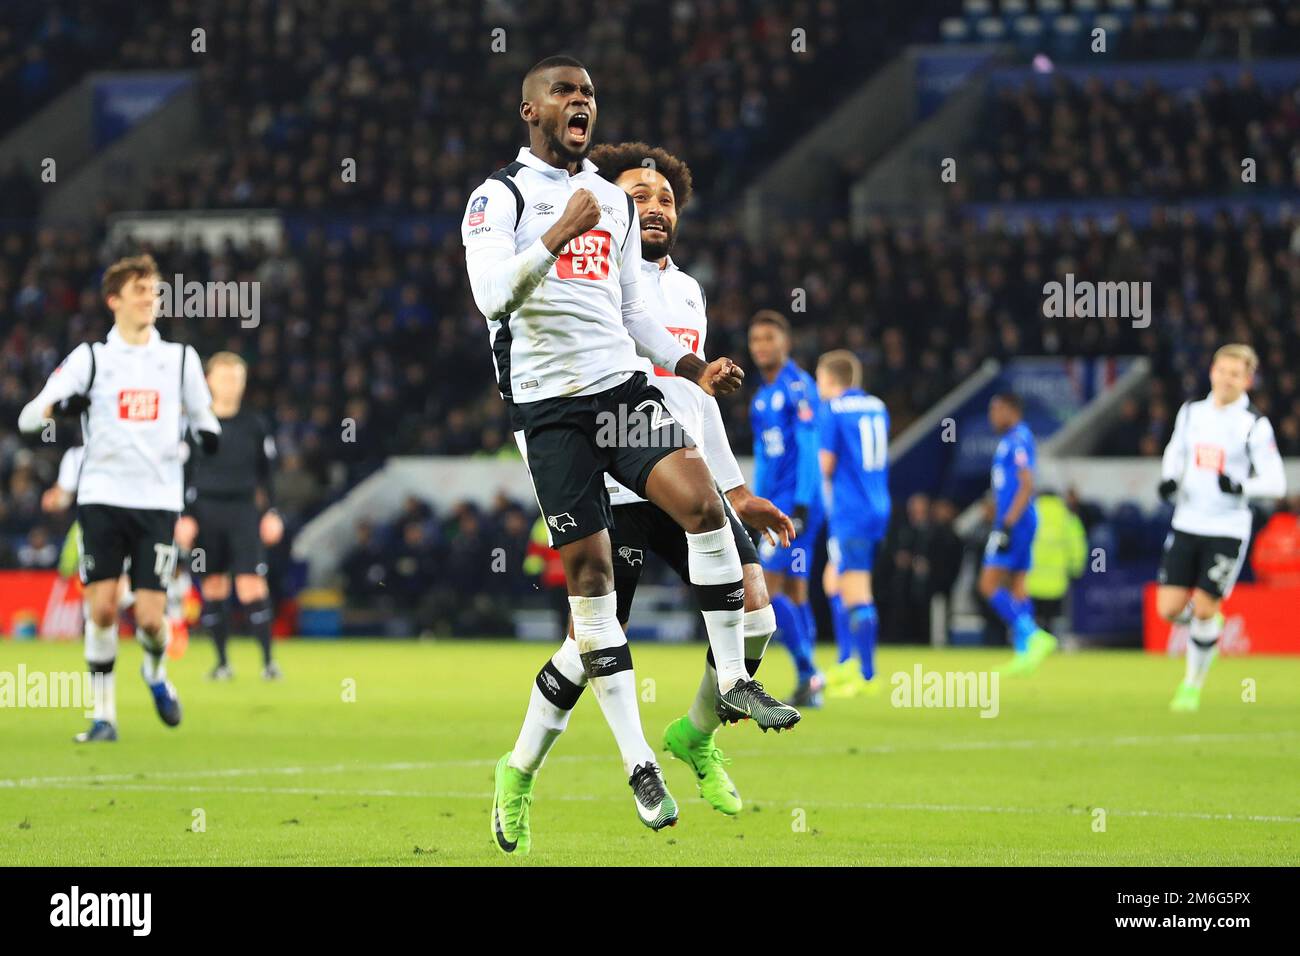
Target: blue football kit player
[
  {"x": 1007, "y": 554},
  {"x": 783, "y": 415},
  {"x": 854, "y": 449}
]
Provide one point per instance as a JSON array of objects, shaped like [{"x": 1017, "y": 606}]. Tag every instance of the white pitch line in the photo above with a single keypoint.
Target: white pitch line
[
  {"x": 875, "y": 749},
  {"x": 811, "y": 804}
]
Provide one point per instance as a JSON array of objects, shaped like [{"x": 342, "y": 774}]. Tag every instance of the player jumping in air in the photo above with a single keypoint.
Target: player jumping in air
[
  {"x": 783, "y": 415},
  {"x": 132, "y": 392},
  {"x": 854, "y": 439},
  {"x": 1007, "y": 554},
  {"x": 1221, "y": 455},
  {"x": 553, "y": 254},
  {"x": 661, "y": 188},
  {"x": 224, "y": 519}
]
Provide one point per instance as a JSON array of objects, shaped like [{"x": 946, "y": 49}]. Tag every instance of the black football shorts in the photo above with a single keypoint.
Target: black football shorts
[
  {"x": 1199, "y": 561},
  {"x": 110, "y": 535},
  {"x": 571, "y": 442}
]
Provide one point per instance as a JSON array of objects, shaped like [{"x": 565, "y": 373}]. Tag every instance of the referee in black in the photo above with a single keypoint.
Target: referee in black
[{"x": 223, "y": 520}]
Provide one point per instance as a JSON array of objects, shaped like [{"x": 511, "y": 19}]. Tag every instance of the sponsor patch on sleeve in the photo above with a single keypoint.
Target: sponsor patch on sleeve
[{"x": 477, "y": 210}]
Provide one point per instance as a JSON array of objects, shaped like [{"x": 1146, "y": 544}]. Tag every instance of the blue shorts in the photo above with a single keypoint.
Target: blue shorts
[
  {"x": 852, "y": 548},
  {"x": 796, "y": 560},
  {"x": 1018, "y": 556}
]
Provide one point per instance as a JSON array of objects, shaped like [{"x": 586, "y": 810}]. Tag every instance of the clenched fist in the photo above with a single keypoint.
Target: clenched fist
[
  {"x": 721, "y": 377},
  {"x": 582, "y": 213}
]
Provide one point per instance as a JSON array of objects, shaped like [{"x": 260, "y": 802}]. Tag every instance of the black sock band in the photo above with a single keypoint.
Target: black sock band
[
  {"x": 559, "y": 690},
  {"x": 720, "y": 597},
  {"x": 607, "y": 661},
  {"x": 101, "y": 667},
  {"x": 1204, "y": 645}
]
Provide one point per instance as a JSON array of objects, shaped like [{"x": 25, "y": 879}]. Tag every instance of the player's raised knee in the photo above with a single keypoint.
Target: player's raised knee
[{"x": 701, "y": 514}]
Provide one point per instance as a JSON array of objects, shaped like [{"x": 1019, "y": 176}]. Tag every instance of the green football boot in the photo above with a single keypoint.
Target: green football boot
[
  {"x": 1187, "y": 699},
  {"x": 655, "y": 806},
  {"x": 697, "y": 751},
  {"x": 1041, "y": 645},
  {"x": 511, "y": 799},
  {"x": 845, "y": 672}
]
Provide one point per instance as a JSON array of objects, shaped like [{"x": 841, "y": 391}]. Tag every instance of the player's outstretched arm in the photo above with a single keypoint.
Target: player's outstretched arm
[{"x": 64, "y": 392}]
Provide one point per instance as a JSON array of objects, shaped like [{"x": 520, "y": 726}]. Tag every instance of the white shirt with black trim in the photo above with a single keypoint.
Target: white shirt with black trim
[
  {"x": 567, "y": 324},
  {"x": 132, "y": 431},
  {"x": 1209, "y": 439},
  {"x": 676, "y": 300}
]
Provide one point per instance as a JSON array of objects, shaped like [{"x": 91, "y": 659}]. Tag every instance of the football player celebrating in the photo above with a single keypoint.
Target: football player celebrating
[
  {"x": 1221, "y": 455},
  {"x": 660, "y": 185},
  {"x": 553, "y": 254}
]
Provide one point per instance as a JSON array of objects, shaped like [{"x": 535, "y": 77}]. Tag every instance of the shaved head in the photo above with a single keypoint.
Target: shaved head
[{"x": 532, "y": 77}]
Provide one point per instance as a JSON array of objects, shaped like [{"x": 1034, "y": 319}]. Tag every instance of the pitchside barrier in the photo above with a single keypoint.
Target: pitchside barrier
[{"x": 1258, "y": 619}]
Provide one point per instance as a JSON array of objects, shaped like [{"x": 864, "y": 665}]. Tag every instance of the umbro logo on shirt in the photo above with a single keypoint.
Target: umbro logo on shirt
[{"x": 544, "y": 208}]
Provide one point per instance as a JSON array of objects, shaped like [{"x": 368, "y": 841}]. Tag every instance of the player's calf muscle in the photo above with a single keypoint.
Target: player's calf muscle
[
  {"x": 756, "y": 596},
  {"x": 1170, "y": 601}
]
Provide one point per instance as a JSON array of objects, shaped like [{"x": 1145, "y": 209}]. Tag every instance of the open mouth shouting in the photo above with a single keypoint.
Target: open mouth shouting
[{"x": 578, "y": 126}]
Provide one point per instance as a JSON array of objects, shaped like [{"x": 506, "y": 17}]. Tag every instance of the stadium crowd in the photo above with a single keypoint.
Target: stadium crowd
[{"x": 1093, "y": 140}]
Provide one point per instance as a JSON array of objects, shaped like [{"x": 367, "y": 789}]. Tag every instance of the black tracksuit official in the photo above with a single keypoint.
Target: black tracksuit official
[{"x": 221, "y": 495}]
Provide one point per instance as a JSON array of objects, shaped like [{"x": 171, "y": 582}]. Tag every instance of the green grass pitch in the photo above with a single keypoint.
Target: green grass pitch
[{"x": 292, "y": 773}]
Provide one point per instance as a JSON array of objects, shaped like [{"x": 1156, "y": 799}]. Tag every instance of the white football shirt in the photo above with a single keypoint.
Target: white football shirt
[
  {"x": 566, "y": 324},
  {"x": 1209, "y": 439},
  {"x": 133, "y": 428}
]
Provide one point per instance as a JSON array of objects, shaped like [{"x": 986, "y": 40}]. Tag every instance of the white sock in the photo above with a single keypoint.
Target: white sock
[
  {"x": 101, "y": 653},
  {"x": 555, "y": 691},
  {"x": 608, "y": 665},
  {"x": 155, "y": 653},
  {"x": 759, "y": 627},
  {"x": 716, "y": 578},
  {"x": 1206, "y": 632}
]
